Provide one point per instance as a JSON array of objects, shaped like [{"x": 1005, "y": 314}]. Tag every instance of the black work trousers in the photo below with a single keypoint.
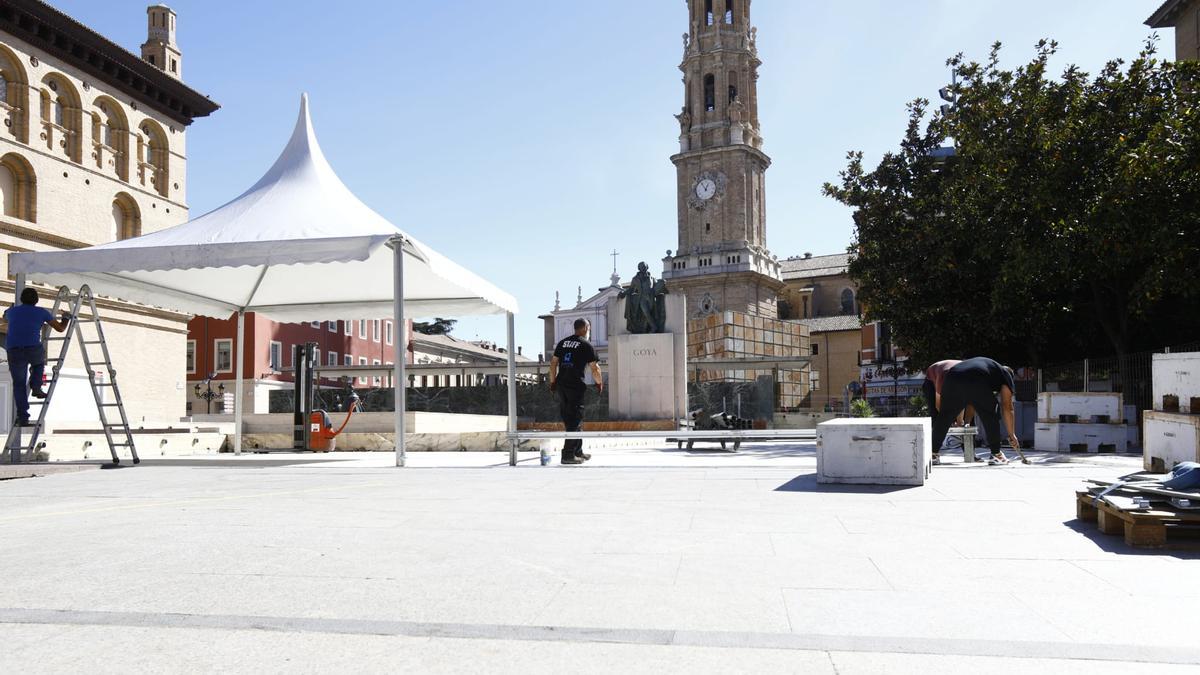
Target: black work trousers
[
  {"x": 930, "y": 394},
  {"x": 959, "y": 391},
  {"x": 570, "y": 409}
]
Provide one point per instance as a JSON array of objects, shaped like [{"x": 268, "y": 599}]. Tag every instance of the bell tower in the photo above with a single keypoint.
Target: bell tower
[
  {"x": 722, "y": 262},
  {"x": 160, "y": 48}
]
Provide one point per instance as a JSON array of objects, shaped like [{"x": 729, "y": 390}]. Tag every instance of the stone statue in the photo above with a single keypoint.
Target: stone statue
[
  {"x": 645, "y": 304},
  {"x": 685, "y": 120},
  {"x": 737, "y": 111}
]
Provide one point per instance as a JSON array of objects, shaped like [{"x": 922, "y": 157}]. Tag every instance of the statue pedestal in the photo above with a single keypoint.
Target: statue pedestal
[{"x": 647, "y": 376}]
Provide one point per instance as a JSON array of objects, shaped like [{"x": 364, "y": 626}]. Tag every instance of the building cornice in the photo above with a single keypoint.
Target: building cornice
[
  {"x": 68, "y": 40},
  {"x": 755, "y": 152},
  {"x": 1166, "y": 14}
]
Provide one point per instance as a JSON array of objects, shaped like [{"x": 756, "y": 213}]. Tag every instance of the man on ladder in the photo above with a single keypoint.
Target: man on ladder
[
  {"x": 25, "y": 322},
  {"x": 26, "y": 356}
]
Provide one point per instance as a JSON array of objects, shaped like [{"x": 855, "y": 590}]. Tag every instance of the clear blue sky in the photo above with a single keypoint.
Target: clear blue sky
[{"x": 526, "y": 139}]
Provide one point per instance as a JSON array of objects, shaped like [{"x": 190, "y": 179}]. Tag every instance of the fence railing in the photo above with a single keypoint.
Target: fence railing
[{"x": 1130, "y": 375}]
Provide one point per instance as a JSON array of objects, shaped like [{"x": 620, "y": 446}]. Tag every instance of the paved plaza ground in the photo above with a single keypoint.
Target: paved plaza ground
[{"x": 644, "y": 560}]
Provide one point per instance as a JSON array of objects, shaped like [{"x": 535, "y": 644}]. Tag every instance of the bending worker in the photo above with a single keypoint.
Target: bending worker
[
  {"x": 986, "y": 386},
  {"x": 935, "y": 375},
  {"x": 26, "y": 358},
  {"x": 572, "y": 356}
]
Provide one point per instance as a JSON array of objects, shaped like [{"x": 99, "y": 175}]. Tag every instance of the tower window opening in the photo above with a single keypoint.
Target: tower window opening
[
  {"x": 708, "y": 227},
  {"x": 152, "y": 60},
  {"x": 729, "y": 12},
  {"x": 710, "y": 93},
  {"x": 708, "y": 12},
  {"x": 732, "y": 93}
]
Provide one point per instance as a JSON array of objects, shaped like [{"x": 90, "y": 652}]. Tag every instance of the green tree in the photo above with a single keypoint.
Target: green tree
[
  {"x": 438, "y": 326},
  {"x": 1067, "y": 223}
]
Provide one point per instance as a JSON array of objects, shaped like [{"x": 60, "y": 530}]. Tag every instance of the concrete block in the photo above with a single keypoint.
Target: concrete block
[
  {"x": 1051, "y": 404},
  {"x": 1058, "y": 437},
  {"x": 1168, "y": 439},
  {"x": 879, "y": 451},
  {"x": 1177, "y": 375}
]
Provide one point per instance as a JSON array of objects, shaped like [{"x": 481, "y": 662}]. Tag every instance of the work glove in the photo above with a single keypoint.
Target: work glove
[{"x": 553, "y": 387}]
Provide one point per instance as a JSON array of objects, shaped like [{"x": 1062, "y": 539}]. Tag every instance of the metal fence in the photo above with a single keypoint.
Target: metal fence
[{"x": 1130, "y": 375}]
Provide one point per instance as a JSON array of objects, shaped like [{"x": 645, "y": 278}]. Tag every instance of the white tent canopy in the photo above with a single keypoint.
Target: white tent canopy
[{"x": 297, "y": 246}]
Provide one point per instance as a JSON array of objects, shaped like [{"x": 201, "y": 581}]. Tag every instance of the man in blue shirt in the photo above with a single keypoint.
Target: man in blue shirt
[{"x": 26, "y": 358}]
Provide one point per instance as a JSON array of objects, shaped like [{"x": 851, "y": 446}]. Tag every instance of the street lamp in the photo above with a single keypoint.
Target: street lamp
[
  {"x": 950, "y": 96},
  {"x": 207, "y": 394}
]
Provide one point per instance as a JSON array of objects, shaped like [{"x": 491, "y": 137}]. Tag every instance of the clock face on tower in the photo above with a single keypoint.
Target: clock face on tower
[{"x": 706, "y": 187}]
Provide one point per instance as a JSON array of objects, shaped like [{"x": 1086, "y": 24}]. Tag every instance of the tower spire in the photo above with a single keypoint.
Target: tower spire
[{"x": 721, "y": 167}]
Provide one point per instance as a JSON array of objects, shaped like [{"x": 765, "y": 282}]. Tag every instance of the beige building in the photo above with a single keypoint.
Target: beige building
[
  {"x": 93, "y": 149},
  {"x": 820, "y": 294},
  {"x": 446, "y": 350},
  {"x": 1184, "y": 17}
]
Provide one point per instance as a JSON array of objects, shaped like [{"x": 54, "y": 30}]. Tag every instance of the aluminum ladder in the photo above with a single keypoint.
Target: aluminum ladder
[{"x": 116, "y": 434}]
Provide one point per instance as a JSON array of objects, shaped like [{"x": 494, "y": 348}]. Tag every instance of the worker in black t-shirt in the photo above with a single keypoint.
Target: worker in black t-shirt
[
  {"x": 572, "y": 356},
  {"x": 986, "y": 386}
]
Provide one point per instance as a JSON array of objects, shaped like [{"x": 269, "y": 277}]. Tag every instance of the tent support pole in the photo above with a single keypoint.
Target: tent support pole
[
  {"x": 237, "y": 387},
  {"x": 14, "y": 452},
  {"x": 512, "y": 389},
  {"x": 399, "y": 379}
]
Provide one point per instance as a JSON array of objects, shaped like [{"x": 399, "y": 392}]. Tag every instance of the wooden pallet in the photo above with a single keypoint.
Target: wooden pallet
[{"x": 1143, "y": 528}]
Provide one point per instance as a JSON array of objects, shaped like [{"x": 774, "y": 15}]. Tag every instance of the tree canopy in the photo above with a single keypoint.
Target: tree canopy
[
  {"x": 1065, "y": 224},
  {"x": 438, "y": 326}
]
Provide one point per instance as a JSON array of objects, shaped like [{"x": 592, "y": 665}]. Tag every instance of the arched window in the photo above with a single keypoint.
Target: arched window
[
  {"x": 733, "y": 86},
  {"x": 14, "y": 96},
  {"x": 18, "y": 187},
  {"x": 154, "y": 158},
  {"x": 126, "y": 217},
  {"x": 62, "y": 117},
  {"x": 710, "y": 93},
  {"x": 847, "y": 301},
  {"x": 110, "y": 137},
  {"x": 729, "y": 12},
  {"x": 708, "y": 12}
]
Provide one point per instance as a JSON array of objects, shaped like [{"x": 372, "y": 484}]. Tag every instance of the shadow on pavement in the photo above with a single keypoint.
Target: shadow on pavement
[
  {"x": 1180, "y": 544},
  {"x": 808, "y": 483}
]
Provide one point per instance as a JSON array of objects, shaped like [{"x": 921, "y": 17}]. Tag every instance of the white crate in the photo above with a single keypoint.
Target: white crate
[
  {"x": 876, "y": 451},
  {"x": 1177, "y": 374},
  {"x": 1056, "y": 437},
  {"x": 1051, "y": 404},
  {"x": 1169, "y": 437}
]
